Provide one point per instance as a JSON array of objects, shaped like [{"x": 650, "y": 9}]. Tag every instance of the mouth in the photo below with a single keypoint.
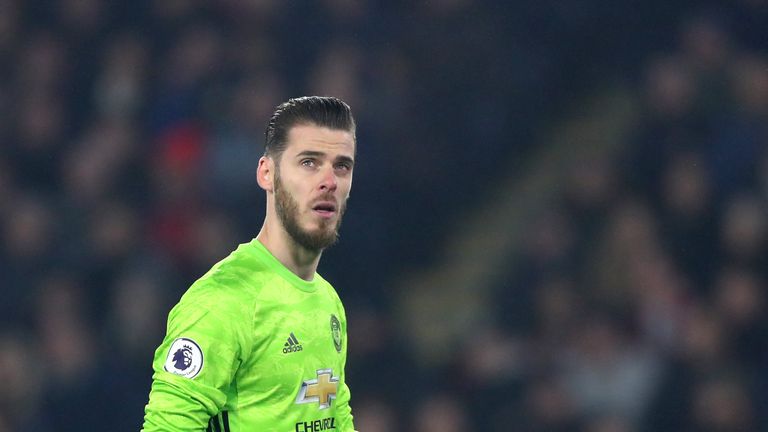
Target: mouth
[{"x": 325, "y": 209}]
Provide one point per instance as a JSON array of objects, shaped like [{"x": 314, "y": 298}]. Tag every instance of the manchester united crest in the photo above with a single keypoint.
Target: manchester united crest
[{"x": 336, "y": 332}]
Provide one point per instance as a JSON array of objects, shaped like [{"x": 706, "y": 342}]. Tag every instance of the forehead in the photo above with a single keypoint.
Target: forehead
[{"x": 320, "y": 138}]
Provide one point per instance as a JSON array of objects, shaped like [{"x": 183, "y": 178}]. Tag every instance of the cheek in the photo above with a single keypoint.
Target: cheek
[
  {"x": 295, "y": 189},
  {"x": 346, "y": 187}
]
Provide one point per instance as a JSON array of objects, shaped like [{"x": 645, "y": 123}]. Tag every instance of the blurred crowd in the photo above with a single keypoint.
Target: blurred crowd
[
  {"x": 637, "y": 299},
  {"x": 129, "y": 137},
  {"x": 642, "y": 290}
]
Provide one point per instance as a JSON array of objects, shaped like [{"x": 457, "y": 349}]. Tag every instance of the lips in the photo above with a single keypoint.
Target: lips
[{"x": 325, "y": 208}]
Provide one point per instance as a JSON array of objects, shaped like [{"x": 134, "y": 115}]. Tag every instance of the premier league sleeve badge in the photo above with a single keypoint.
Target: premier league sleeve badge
[{"x": 185, "y": 358}]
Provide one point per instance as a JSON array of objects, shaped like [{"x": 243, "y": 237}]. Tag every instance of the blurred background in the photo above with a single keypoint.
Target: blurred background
[{"x": 558, "y": 221}]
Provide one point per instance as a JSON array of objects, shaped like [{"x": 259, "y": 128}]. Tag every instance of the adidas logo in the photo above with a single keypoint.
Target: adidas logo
[{"x": 292, "y": 345}]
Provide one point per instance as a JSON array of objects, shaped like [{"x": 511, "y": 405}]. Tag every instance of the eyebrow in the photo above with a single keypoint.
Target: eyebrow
[
  {"x": 314, "y": 153},
  {"x": 310, "y": 153}
]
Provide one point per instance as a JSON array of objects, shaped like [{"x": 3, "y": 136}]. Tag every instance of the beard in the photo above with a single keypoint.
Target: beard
[{"x": 288, "y": 212}]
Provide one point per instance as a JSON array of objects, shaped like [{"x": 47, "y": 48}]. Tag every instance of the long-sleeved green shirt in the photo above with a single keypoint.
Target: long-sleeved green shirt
[{"x": 252, "y": 347}]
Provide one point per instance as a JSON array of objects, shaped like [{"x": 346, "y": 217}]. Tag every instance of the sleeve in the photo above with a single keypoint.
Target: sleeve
[
  {"x": 344, "y": 409},
  {"x": 194, "y": 366}
]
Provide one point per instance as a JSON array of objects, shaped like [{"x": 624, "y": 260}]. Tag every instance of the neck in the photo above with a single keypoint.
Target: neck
[{"x": 296, "y": 258}]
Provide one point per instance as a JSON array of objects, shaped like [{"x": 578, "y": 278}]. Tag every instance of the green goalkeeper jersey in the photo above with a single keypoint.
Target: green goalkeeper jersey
[{"x": 252, "y": 347}]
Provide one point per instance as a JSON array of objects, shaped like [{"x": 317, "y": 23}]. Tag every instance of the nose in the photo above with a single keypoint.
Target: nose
[{"x": 329, "y": 181}]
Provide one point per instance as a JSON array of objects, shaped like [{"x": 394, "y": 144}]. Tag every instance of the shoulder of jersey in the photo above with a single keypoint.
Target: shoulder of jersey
[
  {"x": 330, "y": 291},
  {"x": 229, "y": 279},
  {"x": 329, "y": 288},
  {"x": 240, "y": 266}
]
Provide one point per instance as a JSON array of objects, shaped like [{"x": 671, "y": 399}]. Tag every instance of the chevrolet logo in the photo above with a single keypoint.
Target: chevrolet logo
[{"x": 320, "y": 390}]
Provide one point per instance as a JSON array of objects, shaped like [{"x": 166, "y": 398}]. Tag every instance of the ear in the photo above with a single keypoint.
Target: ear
[{"x": 265, "y": 173}]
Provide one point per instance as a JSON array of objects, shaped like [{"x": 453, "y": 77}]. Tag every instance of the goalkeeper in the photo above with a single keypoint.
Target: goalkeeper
[{"x": 259, "y": 342}]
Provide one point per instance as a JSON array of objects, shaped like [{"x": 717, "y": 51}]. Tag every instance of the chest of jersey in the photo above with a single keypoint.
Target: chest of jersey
[{"x": 296, "y": 367}]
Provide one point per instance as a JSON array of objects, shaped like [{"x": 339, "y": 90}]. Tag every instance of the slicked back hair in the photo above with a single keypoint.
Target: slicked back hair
[{"x": 323, "y": 111}]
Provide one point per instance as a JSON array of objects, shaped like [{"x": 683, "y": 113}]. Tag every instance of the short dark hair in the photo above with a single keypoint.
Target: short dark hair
[{"x": 325, "y": 111}]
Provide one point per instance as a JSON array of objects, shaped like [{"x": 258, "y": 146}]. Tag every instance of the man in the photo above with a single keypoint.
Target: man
[{"x": 259, "y": 342}]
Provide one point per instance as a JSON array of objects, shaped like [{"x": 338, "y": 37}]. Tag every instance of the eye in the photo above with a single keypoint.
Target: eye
[
  {"x": 345, "y": 166},
  {"x": 309, "y": 162}
]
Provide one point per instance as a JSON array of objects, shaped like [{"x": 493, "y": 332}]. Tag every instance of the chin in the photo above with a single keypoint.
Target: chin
[{"x": 323, "y": 232}]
